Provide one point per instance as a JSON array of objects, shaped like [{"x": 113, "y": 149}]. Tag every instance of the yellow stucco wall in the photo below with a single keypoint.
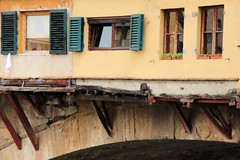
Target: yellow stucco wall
[
  {"x": 146, "y": 64},
  {"x": 27, "y": 65}
]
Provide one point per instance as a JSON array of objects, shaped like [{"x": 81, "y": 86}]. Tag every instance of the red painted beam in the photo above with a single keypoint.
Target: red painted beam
[
  {"x": 10, "y": 128},
  {"x": 28, "y": 128},
  {"x": 182, "y": 118},
  {"x": 225, "y": 132}
]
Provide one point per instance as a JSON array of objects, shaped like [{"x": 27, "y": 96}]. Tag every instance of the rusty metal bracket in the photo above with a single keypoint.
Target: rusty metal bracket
[
  {"x": 214, "y": 116},
  {"x": 182, "y": 118},
  {"x": 10, "y": 128},
  {"x": 103, "y": 116},
  {"x": 23, "y": 118}
]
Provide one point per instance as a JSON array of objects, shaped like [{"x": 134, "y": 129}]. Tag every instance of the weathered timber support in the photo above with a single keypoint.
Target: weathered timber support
[
  {"x": 28, "y": 128},
  {"x": 36, "y": 108},
  {"x": 182, "y": 118},
  {"x": 104, "y": 117},
  {"x": 214, "y": 116},
  {"x": 10, "y": 128}
]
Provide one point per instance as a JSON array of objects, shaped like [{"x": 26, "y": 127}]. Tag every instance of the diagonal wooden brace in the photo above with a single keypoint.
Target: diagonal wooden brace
[
  {"x": 36, "y": 108},
  {"x": 28, "y": 128},
  {"x": 182, "y": 118},
  {"x": 10, "y": 128},
  {"x": 104, "y": 118},
  {"x": 214, "y": 118}
]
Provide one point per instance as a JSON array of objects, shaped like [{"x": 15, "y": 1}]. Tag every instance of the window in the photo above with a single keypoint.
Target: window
[
  {"x": 36, "y": 31},
  {"x": 173, "y": 31},
  {"x": 212, "y": 30},
  {"x": 44, "y": 31},
  {"x": 109, "y": 33}
]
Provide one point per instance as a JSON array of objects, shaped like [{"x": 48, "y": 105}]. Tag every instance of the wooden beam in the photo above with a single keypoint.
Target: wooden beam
[
  {"x": 182, "y": 118},
  {"x": 21, "y": 115},
  {"x": 10, "y": 128},
  {"x": 103, "y": 118},
  {"x": 36, "y": 108},
  {"x": 226, "y": 132}
]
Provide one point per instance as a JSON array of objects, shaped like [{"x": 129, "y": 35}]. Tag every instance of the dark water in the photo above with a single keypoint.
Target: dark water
[{"x": 158, "y": 150}]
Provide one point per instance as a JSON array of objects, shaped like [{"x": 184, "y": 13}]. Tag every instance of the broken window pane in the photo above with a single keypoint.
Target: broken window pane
[
  {"x": 102, "y": 35},
  {"x": 37, "y": 33},
  {"x": 219, "y": 19},
  {"x": 207, "y": 43},
  {"x": 122, "y": 35},
  {"x": 180, "y": 22},
  {"x": 208, "y": 20},
  {"x": 219, "y": 43}
]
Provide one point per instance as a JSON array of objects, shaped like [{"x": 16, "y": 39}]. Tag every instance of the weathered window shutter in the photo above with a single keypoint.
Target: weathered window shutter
[
  {"x": 9, "y": 32},
  {"x": 76, "y": 34},
  {"x": 58, "y": 31},
  {"x": 136, "y": 32}
]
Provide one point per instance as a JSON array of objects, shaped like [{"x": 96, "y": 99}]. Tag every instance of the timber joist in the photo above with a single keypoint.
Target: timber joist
[{"x": 99, "y": 95}]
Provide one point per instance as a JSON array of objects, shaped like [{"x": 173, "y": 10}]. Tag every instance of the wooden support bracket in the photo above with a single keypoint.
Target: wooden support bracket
[
  {"x": 28, "y": 128},
  {"x": 103, "y": 116},
  {"x": 182, "y": 118},
  {"x": 10, "y": 128},
  {"x": 214, "y": 116},
  {"x": 36, "y": 108}
]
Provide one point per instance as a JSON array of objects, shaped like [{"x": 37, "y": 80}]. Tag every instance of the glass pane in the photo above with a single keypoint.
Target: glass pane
[
  {"x": 102, "y": 36},
  {"x": 180, "y": 21},
  {"x": 170, "y": 44},
  {"x": 37, "y": 33},
  {"x": 171, "y": 20},
  {"x": 219, "y": 19},
  {"x": 207, "y": 43},
  {"x": 219, "y": 43},
  {"x": 180, "y": 44},
  {"x": 208, "y": 26},
  {"x": 122, "y": 35}
]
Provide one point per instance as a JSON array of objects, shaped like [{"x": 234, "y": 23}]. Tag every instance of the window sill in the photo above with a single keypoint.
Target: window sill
[
  {"x": 35, "y": 53},
  {"x": 104, "y": 49},
  {"x": 210, "y": 57},
  {"x": 170, "y": 58}
]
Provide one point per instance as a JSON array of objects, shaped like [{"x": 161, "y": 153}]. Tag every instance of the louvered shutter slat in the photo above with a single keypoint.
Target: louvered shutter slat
[
  {"x": 76, "y": 34},
  {"x": 136, "y": 32},
  {"x": 9, "y": 32},
  {"x": 58, "y": 31}
]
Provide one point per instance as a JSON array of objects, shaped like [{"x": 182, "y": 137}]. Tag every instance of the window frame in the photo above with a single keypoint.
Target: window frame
[
  {"x": 175, "y": 32},
  {"x": 213, "y": 32},
  {"x": 106, "y": 20},
  {"x": 24, "y": 30}
]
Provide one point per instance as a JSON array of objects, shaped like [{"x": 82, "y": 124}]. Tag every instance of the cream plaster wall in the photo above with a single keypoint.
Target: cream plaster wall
[
  {"x": 31, "y": 65},
  {"x": 146, "y": 64}
]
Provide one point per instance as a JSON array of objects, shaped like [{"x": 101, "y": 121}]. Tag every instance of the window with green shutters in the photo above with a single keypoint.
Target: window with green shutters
[
  {"x": 116, "y": 33},
  {"x": 136, "y": 32},
  {"x": 9, "y": 32},
  {"x": 58, "y": 31},
  {"x": 76, "y": 34}
]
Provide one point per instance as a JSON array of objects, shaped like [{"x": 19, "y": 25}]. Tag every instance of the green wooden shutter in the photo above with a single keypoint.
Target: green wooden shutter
[
  {"x": 58, "y": 31},
  {"x": 75, "y": 34},
  {"x": 136, "y": 32},
  {"x": 9, "y": 32}
]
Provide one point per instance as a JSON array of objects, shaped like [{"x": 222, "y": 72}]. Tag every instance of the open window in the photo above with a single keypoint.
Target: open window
[
  {"x": 212, "y": 31},
  {"x": 116, "y": 33},
  {"x": 109, "y": 33},
  {"x": 173, "y": 33}
]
